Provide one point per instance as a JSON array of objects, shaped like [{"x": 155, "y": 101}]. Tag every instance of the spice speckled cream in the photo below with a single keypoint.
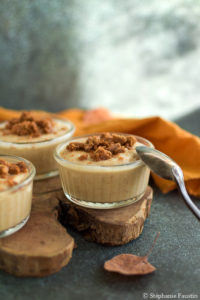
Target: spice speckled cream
[{"x": 104, "y": 180}]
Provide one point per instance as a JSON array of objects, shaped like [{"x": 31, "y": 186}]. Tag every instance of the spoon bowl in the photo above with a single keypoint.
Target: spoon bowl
[{"x": 167, "y": 168}]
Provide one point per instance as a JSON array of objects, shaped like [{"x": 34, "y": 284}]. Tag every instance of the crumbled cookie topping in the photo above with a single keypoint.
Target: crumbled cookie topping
[
  {"x": 3, "y": 171},
  {"x": 83, "y": 157},
  {"x": 8, "y": 169},
  {"x": 101, "y": 154},
  {"x": 104, "y": 146},
  {"x": 14, "y": 169},
  {"x": 27, "y": 124}
]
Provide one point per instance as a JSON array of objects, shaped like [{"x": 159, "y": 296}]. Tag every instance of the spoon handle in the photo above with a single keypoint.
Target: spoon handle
[{"x": 179, "y": 179}]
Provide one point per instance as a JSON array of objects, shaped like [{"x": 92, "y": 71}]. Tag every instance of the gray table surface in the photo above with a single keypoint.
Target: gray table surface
[{"x": 176, "y": 256}]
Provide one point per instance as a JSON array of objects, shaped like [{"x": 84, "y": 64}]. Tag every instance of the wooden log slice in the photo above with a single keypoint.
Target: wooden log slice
[
  {"x": 41, "y": 247},
  {"x": 112, "y": 226}
]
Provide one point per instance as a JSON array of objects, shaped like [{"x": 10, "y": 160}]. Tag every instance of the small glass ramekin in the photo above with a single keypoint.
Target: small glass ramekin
[
  {"x": 100, "y": 186},
  {"x": 15, "y": 201},
  {"x": 39, "y": 153}
]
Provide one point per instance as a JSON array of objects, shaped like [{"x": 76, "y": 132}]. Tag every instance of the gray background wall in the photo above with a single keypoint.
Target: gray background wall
[{"x": 136, "y": 57}]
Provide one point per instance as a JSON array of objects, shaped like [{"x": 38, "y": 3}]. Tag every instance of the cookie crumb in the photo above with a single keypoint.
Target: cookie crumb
[
  {"x": 3, "y": 171},
  {"x": 103, "y": 146},
  {"x": 7, "y": 168},
  {"x": 14, "y": 169},
  {"x": 101, "y": 154},
  {"x": 29, "y": 125},
  {"x": 75, "y": 146},
  {"x": 22, "y": 166},
  {"x": 83, "y": 157}
]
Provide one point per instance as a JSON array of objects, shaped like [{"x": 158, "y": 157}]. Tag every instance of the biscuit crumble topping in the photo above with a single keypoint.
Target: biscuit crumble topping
[
  {"x": 103, "y": 147},
  {"x": 7, "y": 170},
  {"x": 29, "y": 125},
  {"x": 83, "y": 157}
]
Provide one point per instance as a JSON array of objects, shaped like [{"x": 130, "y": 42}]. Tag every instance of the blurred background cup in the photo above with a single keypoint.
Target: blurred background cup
[{"x": 136, "y": 57}]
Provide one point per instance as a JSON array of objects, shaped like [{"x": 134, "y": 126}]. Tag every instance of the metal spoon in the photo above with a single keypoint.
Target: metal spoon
[{"x": 165, "y": 167}]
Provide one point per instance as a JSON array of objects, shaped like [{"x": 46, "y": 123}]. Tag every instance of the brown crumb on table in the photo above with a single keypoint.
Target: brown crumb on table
[
  {"x": 29, "y": 125},
  {"x": 103, "y": 146}
]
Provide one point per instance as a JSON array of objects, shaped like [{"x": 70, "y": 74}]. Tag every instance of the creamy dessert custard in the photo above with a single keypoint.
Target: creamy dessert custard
[
  {"x": 35, "y": 139},
  {"x": 16, "y": 180},
  {"x": 103, "y": 171}
]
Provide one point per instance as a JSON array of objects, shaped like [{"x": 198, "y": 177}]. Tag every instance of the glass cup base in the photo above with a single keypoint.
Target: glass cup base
[
  {"x": 13, "y": 229},
  {"x": 46, "y": 175},
  {"x": 107, "y": 205}
]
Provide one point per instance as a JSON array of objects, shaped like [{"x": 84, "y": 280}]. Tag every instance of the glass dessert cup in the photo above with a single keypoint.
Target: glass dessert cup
[
  {"x": 15, "y": 201},
  {"x": 103, "y": 186},
  {"x": 40, "y": 153}
]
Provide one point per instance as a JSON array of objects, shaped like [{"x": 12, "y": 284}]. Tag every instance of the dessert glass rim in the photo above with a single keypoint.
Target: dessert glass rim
[
  {"x": 70, "y": 131},
  {"x": 135, "y": 163},
  {"x": 26, "y": 180}
]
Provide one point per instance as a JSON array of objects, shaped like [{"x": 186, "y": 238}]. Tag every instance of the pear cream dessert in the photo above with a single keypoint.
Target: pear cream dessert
[
  {"x": 16, "y": 179},
  {"x": 35, "y": 137},
  {"x": 103, "y": 170}
]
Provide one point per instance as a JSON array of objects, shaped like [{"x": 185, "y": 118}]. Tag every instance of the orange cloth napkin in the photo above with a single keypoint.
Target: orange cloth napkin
[{"x": 166, "y": 136}]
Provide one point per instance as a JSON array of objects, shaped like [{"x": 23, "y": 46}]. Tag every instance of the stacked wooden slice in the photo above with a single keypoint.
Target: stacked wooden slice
[{"x": 43, "y": 246}]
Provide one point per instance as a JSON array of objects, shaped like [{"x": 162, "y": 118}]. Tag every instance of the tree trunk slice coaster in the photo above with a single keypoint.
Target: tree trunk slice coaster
[
  {"x": 43, "y": 246},
  {"x": 111, "y": 226}
]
